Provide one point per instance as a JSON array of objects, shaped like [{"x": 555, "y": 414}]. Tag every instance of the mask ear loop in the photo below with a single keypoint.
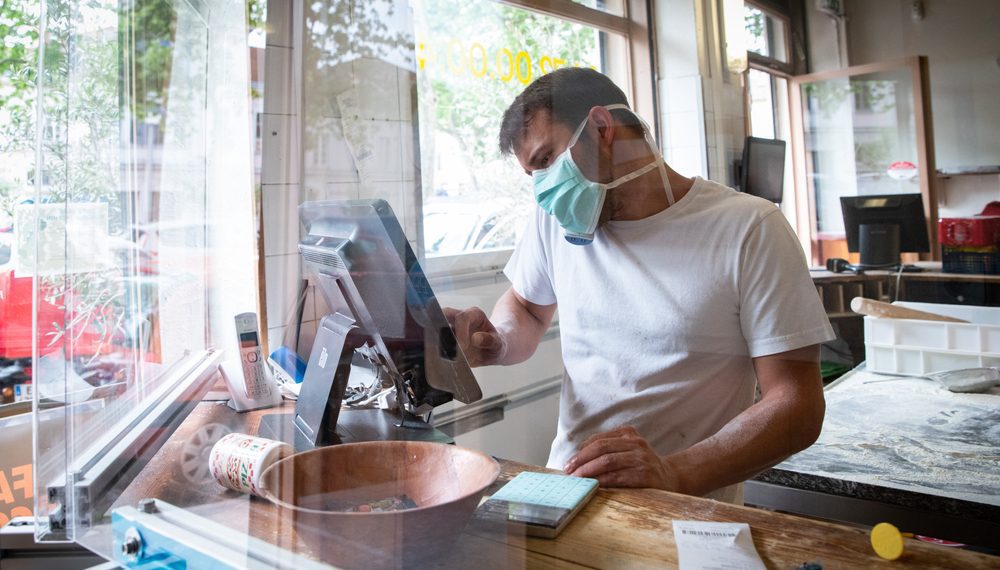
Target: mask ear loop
[
  {"x": 577, "y": 133},
  {"x": 652, "y": 145}
]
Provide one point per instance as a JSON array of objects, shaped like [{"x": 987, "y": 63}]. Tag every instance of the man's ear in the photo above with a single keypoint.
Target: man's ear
[{"x": 602, "y": 120}]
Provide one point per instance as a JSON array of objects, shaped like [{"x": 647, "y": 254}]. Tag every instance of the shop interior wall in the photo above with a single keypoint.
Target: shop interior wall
[{"x": 960, "y": 40}]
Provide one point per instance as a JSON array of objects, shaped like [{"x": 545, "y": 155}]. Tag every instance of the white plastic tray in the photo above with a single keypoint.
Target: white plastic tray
[{"x": 908, "y": 346}]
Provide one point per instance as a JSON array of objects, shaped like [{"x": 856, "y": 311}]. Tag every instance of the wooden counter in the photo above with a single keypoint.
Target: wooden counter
[
  {"x": 619, "y": 528},
  {"x": 929, "y": 286}
]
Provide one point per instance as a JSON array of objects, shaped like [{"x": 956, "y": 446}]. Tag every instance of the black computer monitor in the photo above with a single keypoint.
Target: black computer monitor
[
  {"x": 881, "y": 227},
  {"x": 763, "y": 168},
  {"x": 381, "y": 306}
]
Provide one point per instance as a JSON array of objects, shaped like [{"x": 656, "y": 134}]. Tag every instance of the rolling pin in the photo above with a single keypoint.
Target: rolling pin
[{"x": 875, "y": 308}]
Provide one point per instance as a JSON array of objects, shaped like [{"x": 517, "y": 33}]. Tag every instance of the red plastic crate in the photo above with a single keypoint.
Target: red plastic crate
[{"x": 974, "y": 231}]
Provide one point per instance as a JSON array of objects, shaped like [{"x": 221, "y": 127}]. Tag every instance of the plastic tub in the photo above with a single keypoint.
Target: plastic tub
[{"x": 909, "y": 346}]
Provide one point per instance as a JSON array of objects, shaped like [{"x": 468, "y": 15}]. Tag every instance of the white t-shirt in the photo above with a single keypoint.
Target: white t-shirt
[{"x": 659, "y": 318}]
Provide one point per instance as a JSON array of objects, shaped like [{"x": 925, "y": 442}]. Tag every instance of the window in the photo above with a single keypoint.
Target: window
[
  {"x": 767, "y": 87},
  {"x": 861, "y": 133},
  {"x": 767, "y": 34},
  {"x": 473, "y": 58}
]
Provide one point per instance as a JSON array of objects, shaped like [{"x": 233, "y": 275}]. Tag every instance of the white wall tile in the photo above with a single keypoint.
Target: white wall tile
[
  {"x": 685, "y": 124},
  {"x": 708, "y": 94},
  {"x": 328, "y": 158},
  {"x": 397, "y": 19},
  {"x": 688, "y": 160},
  {"x": 682, "y": 94},
  {"x": 411, "y": 200},
  {"x": 278, "y": 88},
  {"x": 281, "y": 219},
  {"x": 378, "y": 89},
  {"x": 282, "y": 273},
  {"x": 275, "y": 337},
  {"x": 376, "y": 148},
  {"x": 324, "y": 85},
  {"x": 333, "y": 191},
  {"x": 280, "y": 150},
  {"x": 711, "y": 138},
  {"x": 408, "y": 150}
]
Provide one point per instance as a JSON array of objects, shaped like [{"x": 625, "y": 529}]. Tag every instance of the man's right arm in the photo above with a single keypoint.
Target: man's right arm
[{"x": 509, "y": 336}]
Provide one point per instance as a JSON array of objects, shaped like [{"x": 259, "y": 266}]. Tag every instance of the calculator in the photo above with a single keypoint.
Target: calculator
[{"x": 541, "y": 503}]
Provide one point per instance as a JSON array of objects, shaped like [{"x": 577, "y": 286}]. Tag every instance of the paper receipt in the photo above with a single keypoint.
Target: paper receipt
[{"x": 715, "y": 546}]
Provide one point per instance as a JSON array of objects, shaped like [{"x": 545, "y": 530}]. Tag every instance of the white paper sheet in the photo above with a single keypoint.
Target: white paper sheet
[{"x": 715, "y": 546}]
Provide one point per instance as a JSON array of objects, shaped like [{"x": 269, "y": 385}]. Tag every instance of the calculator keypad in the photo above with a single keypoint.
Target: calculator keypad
[{"x": 547, "y": 489}]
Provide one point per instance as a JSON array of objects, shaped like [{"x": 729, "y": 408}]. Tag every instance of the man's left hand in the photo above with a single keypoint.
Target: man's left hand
[{"x": 621, "y": 458}]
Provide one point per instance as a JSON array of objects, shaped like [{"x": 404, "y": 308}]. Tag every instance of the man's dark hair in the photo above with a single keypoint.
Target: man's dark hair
[{"x": 568, "y": 94}]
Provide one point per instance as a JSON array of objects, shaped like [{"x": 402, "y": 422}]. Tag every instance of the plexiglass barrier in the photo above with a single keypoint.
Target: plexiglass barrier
[
  {"x": 141, "y": 242},
  {"x": 139, "y": 239}
]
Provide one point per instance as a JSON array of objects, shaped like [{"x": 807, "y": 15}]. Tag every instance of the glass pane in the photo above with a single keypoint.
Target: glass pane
[
  {"x": 473, "y": 59},
  {"x": 765, "y": 34},
  {"x": 130, "y": 255},
  {"x": 860, "y": 138},
  {"x": 762, "y": 110},
  {"x": 116, "y": 236},
  {"x": 769, "y": 118},
  {"x": 18, "y": 61}
]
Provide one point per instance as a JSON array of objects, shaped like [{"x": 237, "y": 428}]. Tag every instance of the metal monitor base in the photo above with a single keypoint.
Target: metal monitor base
[{"x": 353, "y": 426}]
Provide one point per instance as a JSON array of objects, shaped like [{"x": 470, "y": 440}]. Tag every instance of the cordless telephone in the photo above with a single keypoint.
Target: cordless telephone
[{"x": 255, "y": 376}]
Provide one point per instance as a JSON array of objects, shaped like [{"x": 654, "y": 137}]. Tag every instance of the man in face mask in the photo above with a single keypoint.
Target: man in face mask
[{"x": 677, "y": 297}]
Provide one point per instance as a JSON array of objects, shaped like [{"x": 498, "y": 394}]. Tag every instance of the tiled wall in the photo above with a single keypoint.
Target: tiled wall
[
  {"x": 354, "y": 123},
  {"x": 280, "y": 166}
]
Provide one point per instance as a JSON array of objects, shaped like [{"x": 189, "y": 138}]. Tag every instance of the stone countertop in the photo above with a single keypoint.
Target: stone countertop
[{"x": 903, "y": 441}]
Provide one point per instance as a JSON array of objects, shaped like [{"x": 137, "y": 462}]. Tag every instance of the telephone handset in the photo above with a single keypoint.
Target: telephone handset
[
  {"x": 254, "y": 374},
  {"x": 250, "y": 382}
]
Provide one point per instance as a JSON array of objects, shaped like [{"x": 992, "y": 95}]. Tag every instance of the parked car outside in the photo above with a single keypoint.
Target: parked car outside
[{"x": 454, "y": 226}]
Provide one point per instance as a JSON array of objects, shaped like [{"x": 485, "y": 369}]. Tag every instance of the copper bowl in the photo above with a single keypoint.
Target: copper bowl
[{"x": 318, "y": 489}]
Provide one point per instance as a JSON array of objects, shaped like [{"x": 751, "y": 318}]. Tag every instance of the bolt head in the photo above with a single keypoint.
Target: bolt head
[{"x": 132, "y": 545}]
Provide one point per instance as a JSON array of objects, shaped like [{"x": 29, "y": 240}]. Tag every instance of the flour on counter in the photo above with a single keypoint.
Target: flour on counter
[{"x": 909, "y": 434}]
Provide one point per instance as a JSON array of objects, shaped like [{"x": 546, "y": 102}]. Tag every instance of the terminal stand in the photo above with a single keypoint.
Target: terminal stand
[{"x": 318, "y": 419}]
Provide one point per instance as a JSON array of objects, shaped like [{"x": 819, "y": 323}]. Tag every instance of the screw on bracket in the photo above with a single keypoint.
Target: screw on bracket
[
  {"x": 132, "y": 545},
  {"x": 148, "y": 505}
]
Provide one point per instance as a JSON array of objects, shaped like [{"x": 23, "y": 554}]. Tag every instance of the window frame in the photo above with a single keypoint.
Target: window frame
[
  {"x": 775, "y": 69},
  {"x": 770, "y": 64}
]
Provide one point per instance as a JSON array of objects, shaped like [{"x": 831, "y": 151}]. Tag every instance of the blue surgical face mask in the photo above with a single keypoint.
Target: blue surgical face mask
[{"x": 565, "y": 193}]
